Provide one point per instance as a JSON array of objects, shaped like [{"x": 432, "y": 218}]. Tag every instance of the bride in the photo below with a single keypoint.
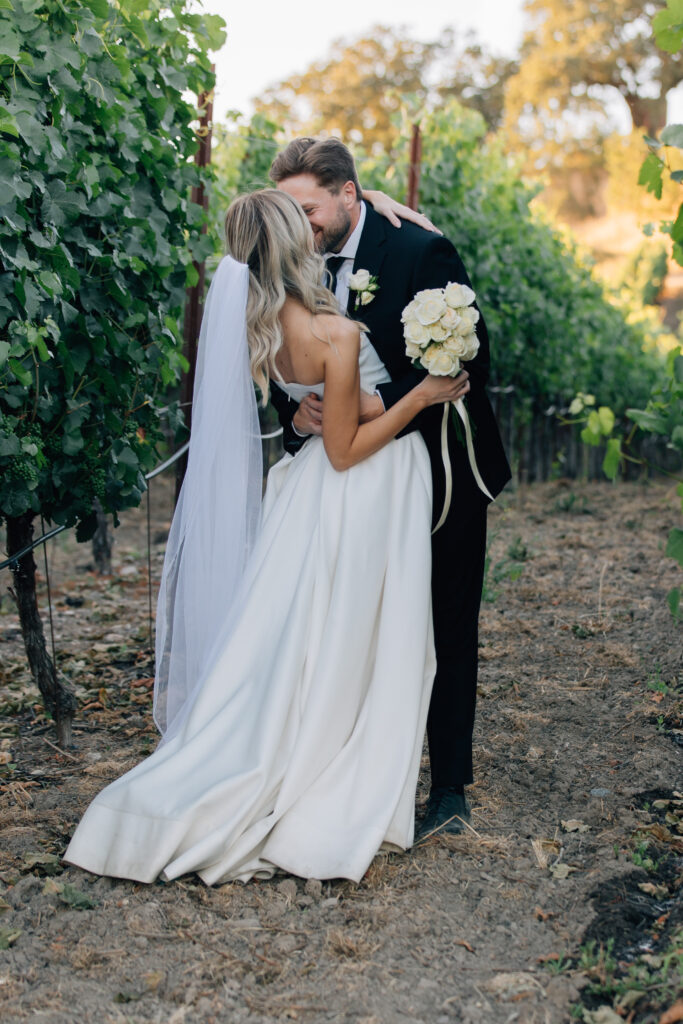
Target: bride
[{"x": 294, "y": 641}]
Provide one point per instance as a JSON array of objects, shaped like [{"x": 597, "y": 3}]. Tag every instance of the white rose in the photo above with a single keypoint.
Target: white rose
[
  {"x": 429, "y": 293},
  {"x": 437, "y": 332},
  {"x": 414, "y": 331},
  {"x": 409, "y": 312},
  {"x": 366, "y": 297},
  {"x": 429, "y": 310},
  {"x": 457, "y": 346},
  {"x": 450, "y": 319},
  {"x": 413, "y": 350},
  {"x": 468, "y": 318},
  {"x": 471, "y": 346},
  {"x": 438, "y": 361},
  {"x": 359, "y": 281},
  {"x": 457, "y": 295}
]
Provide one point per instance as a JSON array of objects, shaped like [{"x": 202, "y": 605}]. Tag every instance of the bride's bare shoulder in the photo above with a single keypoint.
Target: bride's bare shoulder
[{"x": 341, "y": 332}]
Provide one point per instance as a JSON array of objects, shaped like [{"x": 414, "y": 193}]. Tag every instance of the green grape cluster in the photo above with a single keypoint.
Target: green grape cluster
[
  {"x": 21, "y": 468},
  {"x": 98, "y": 481}
]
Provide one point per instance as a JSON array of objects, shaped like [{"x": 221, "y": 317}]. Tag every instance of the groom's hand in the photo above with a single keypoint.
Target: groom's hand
[
  {"x": 371, "y": 406},
  {"x": 308, "y": 419}
]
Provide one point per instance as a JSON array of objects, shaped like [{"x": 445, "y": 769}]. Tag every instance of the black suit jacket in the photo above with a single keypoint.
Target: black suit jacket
[{"x": 405, "y": 260}]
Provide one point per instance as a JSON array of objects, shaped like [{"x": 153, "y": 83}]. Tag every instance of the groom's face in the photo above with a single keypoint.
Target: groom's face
[{"x": 332, "y": 216}]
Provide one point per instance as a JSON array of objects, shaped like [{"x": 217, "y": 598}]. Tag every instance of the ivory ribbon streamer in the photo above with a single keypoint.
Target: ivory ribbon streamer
[{"x": 462, "y": 413}]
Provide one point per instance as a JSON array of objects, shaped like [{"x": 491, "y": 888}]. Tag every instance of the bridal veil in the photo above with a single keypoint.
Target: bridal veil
[{"x": 217, "y": 515}]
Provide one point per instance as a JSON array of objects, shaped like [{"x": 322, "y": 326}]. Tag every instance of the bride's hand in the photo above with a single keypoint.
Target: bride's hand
[
  {"x": 392, "y": 210},
  {"x": 437, "y": 390}
]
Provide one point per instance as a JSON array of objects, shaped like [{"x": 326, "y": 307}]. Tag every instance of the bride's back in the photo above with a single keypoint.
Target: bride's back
[
  {"x": 291, "y": 316},
  {"x": 306, "y": 338}
]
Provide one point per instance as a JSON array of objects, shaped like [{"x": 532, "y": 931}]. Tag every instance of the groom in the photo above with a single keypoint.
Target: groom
[{"x": 322, "y": 176}]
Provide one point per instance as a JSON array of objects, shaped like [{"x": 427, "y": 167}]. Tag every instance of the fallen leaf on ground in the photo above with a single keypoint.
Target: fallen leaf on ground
[
  {"x": 49, "y": 863},
  {"x": 574, "y": 825},
  {"x": 462, "y": 942},
  {"x": 603, "y": 1015},
  {"x": 513, "y": 985},
  {"x": 561, "y": 870},
  {"x": 629, "y": 999},
  {"x": 653, "y": 890},
  {"x": 673, "y": 1014},
  {"x": 8, "y": 936}
]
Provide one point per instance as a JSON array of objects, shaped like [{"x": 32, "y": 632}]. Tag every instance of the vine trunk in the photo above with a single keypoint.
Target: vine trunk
[{"x": 58, "y": 700}]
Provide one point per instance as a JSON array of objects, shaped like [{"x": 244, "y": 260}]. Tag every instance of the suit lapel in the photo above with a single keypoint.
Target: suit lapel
[{"x": 370, "y": 255}]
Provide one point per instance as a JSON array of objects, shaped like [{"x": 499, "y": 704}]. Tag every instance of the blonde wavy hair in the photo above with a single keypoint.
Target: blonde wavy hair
[{"x": 268, "y": 231}]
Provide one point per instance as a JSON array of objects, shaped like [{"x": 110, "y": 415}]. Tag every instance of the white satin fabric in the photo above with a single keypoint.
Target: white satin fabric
[{"x": 302, "y": 745}]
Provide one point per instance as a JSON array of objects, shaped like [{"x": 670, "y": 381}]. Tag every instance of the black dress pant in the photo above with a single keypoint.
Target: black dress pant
[{"x": 458, "y": 557}]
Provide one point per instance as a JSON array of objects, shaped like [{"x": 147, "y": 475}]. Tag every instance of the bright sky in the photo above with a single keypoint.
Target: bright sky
[{"x": 269, "y": 41}]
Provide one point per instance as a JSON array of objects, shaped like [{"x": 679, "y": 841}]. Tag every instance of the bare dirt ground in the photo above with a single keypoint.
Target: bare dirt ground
[{"x": 564, "y": 897}]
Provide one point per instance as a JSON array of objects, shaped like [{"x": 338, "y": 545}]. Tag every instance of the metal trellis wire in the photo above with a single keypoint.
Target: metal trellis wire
[
  {"x": 149, "y": 476},
  {"x": 9, "y": 562}
]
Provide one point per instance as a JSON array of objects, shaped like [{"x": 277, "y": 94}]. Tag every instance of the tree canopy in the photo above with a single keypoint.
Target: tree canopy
[
  {"x": 355, "y": 90},
  {"x": 358, "y": 89},
  {"x": 575, "y": 50}
]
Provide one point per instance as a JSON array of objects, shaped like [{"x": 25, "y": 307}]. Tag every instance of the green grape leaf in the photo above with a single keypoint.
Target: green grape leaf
[
  {"x": 677, "y": 229},
  {"x": 612, "y": 460},
  {"x": 672, "y": 135},
  {"x": 677, "y": 367},
  {"x": 591, "y": 437},
  {"x": 668, "y": 27},
  {"x": 100, "y": 8},
  {"x": 674, "y": 545},
  {"x": 649, "y": 420},
  {"x": 651, "y": 174},
  {"x": 606, "y": 420}
]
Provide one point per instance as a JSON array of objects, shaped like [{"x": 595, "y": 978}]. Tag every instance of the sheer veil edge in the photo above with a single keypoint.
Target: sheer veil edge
[{"x": 217, "y": 516}]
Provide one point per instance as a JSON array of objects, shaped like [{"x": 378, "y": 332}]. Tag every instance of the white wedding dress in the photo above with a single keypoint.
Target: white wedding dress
[{"x": 302, "y": 745}]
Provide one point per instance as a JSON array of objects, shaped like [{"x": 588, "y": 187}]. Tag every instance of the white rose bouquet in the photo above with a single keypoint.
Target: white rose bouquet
[{"x": 439, "y": 329}]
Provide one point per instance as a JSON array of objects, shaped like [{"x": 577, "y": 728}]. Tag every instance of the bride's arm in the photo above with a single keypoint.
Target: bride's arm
[
  {"x": 392, "y": 210},
  {"x": 347, "y": 441}
]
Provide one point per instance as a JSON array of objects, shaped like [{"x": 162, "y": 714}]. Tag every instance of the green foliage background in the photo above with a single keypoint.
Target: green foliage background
[
  {"x": 554, "y": 329},
  {"x": 97, "y": 238}
]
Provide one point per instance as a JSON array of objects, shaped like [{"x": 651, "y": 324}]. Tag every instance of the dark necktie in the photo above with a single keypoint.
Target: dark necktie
[{"x": 332, "y": 265}]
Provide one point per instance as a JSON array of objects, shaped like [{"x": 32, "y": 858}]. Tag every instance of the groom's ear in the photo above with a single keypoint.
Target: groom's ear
[{"x": 348, "y": 194}]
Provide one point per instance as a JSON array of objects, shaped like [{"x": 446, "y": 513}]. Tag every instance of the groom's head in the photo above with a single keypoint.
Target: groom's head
[{"x": 321, "y": 175}]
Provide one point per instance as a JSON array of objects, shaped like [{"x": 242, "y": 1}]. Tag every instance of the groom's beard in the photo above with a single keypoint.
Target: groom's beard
[{"x": 333, "y": 235}]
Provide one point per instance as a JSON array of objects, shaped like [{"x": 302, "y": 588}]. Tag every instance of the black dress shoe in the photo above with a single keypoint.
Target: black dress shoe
[{"x": 447, "y": 812}]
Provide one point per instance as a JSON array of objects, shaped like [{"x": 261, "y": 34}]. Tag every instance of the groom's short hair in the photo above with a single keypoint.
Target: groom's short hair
[{"x": 328, "y": 160}]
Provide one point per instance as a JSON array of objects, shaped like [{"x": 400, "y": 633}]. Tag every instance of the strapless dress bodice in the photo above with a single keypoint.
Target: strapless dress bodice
[{"x": 372, "y": 372}]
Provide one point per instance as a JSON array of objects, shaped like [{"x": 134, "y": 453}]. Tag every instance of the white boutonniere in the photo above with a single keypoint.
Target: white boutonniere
[{"x": 364, "y": 284}]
